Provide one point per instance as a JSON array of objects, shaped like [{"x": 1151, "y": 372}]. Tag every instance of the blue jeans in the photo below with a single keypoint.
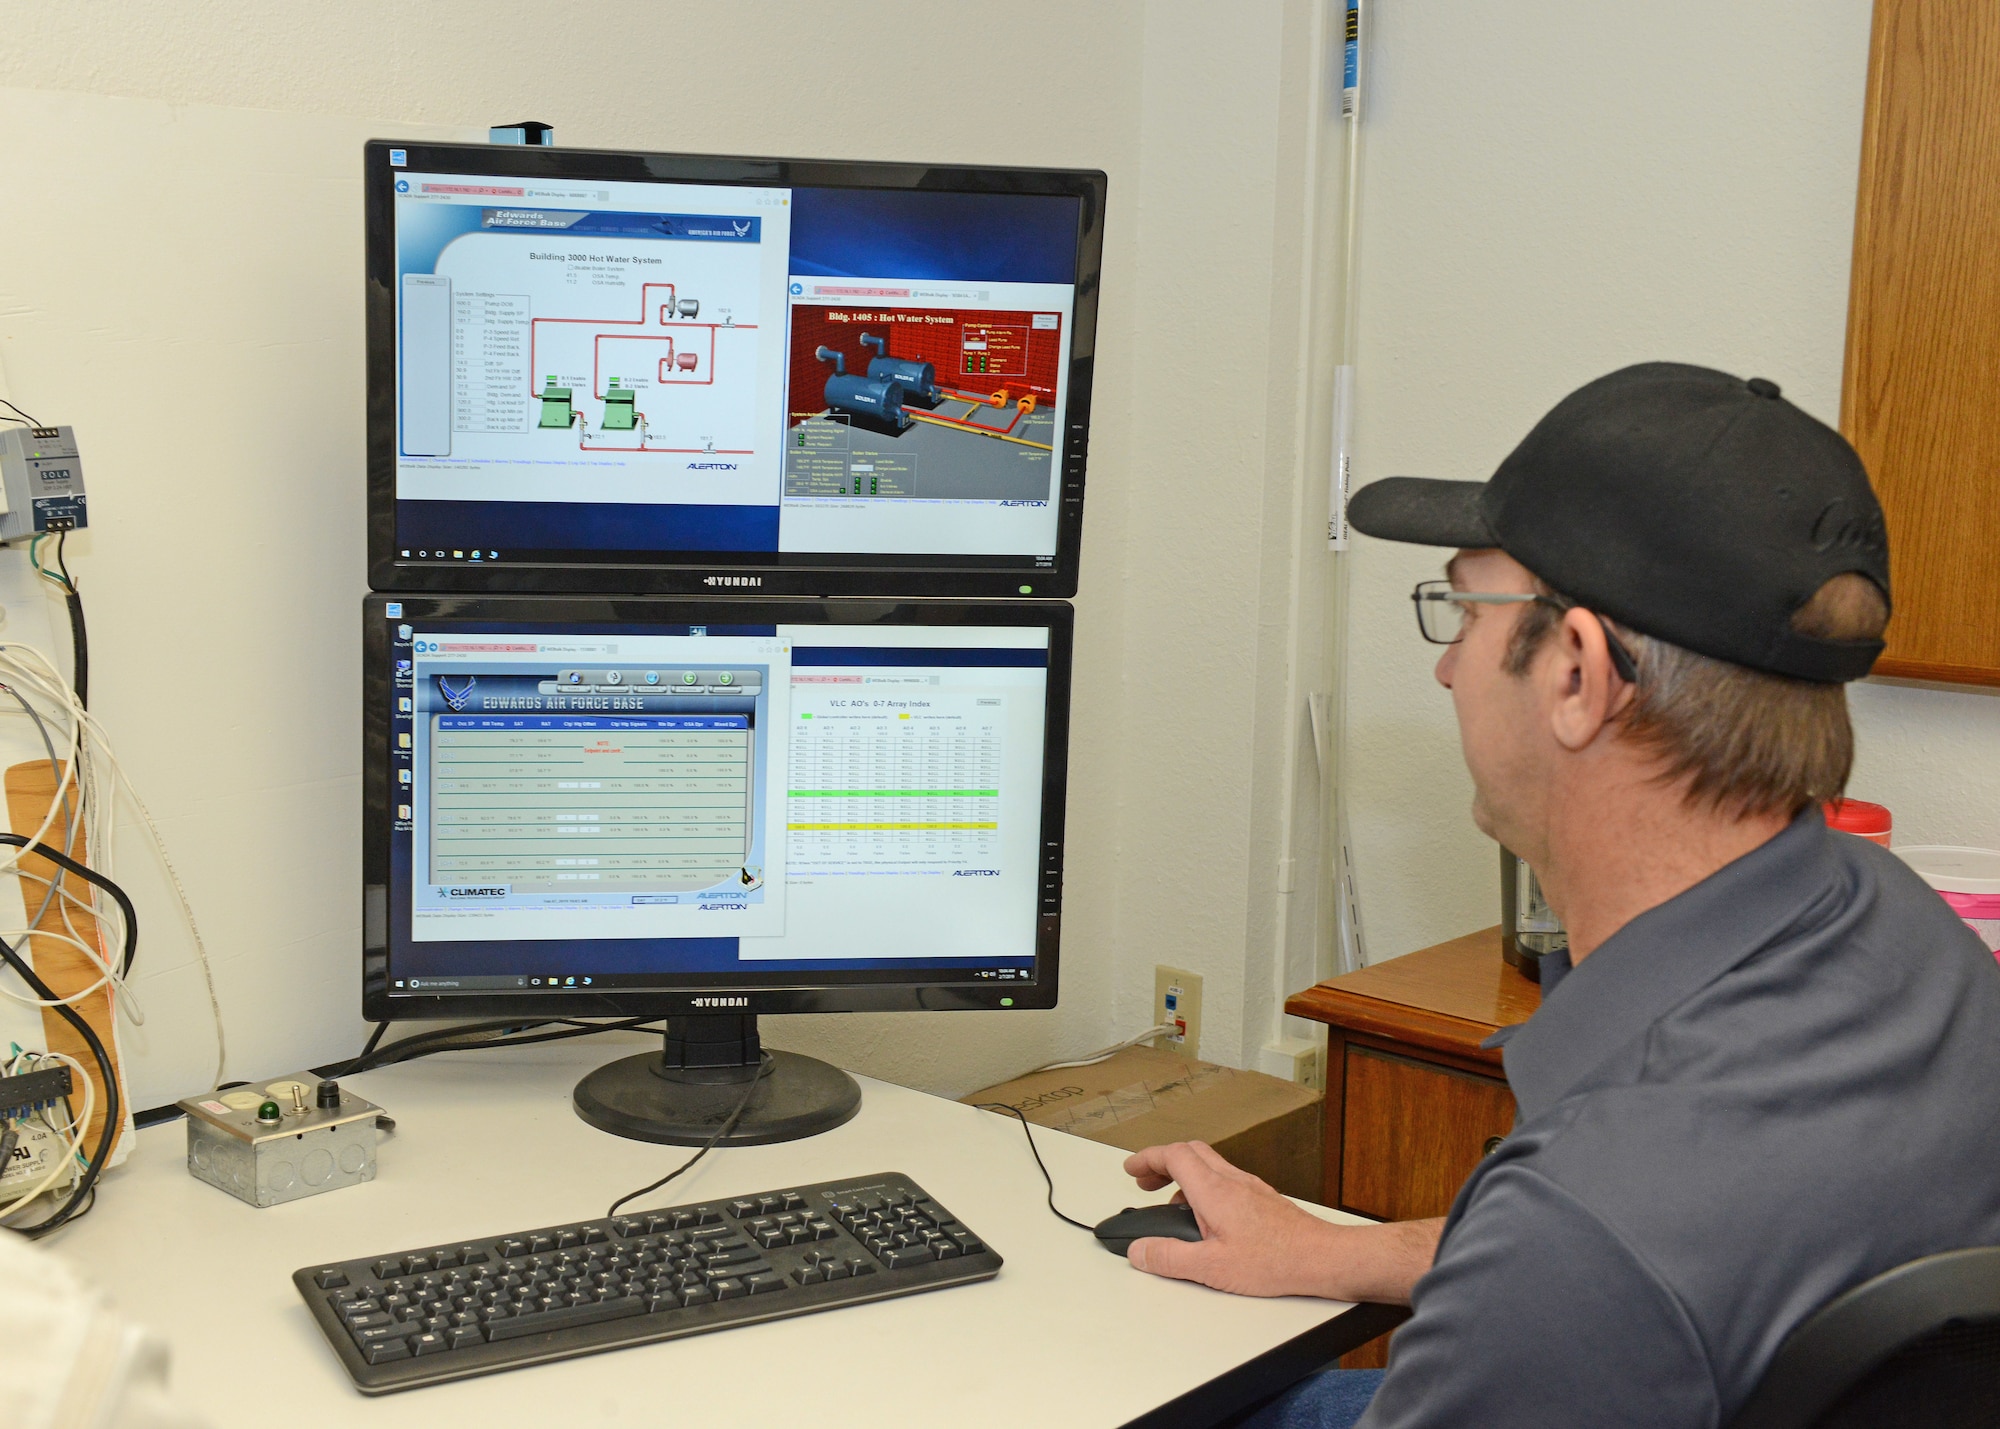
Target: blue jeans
[{"x": 1331, "y": 1399}]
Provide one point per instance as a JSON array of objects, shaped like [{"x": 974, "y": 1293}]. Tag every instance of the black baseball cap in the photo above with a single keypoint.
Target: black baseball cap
[{"x": 1682, "y": 502}]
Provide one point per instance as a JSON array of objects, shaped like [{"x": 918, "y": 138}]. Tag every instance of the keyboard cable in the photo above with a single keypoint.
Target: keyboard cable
[{"x": 764, "y": 1066}]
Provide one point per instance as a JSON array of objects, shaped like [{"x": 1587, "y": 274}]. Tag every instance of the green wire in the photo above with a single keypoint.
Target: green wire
[{"x": 35, "y": 560}]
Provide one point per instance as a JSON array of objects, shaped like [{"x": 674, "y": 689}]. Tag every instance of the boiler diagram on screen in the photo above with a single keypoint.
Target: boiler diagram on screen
[
  {"x": 923, "y": 403},
  {"x": 637, "y": 375},
  {"x": 625, "y": 349}
]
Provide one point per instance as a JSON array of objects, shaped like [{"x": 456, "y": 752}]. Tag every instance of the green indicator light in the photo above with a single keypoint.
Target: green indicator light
[
  {"x": 1027, "y": 590},
  {"x": 1006, "y": 1002}
]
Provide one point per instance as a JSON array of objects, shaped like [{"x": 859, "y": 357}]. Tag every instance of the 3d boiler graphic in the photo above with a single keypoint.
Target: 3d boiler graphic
[{"x": 871, "y": 396}]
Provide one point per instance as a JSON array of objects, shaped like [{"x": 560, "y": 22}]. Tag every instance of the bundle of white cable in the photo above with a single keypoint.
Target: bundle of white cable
[
  {"x": 66, "y": 1165},
  {"x": 91, "y": 768},
  {"x": 1162, "y": 1030}
]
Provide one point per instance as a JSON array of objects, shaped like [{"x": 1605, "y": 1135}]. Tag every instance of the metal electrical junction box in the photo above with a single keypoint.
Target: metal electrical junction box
[
  {"x": 317, "y": 1142},
  {"x": 42, "y": 481}
]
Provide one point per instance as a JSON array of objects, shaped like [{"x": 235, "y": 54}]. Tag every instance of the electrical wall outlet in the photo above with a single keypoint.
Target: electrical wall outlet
[{"x": 1177, "y": 999}]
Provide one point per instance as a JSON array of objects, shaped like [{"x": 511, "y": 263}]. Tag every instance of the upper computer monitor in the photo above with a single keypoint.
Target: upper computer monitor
[
  {"x": 594, "y": 370},
  {"x": 588, "y": 806}
]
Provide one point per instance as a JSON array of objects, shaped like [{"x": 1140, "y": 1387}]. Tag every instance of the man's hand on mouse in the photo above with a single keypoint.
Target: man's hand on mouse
[{"x": 1255, "y": 1242}]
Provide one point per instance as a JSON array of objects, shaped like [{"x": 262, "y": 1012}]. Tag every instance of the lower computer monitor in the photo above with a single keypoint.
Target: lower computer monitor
[{"x": 707, "y": 810}]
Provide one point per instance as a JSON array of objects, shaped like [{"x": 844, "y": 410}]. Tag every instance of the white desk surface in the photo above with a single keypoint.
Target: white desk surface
[{"x": 487, "y": 1143}]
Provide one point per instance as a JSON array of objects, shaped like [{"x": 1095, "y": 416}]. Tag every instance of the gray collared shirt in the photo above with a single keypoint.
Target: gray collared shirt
[{"x": 1749, "y": 1099}]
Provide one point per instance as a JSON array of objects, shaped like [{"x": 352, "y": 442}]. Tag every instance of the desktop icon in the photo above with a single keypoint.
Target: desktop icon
[
  {"x": 402, "y": 741},
  {"x": 405, "y": 705},
  {"x": 394, "y": 609},
  {"x": 402, "y": 811},
  {"x": 402, "y": 632}
]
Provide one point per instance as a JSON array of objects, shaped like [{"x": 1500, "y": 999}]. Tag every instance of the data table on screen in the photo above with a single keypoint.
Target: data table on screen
[
  {"x": 638, "y": 805},
  {"x": 895, "y": 787}
]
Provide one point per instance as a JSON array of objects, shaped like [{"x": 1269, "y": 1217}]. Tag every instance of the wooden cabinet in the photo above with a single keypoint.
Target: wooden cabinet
[
  {"x": 1412, "y": 1100},
  {"x": 1411, "y": 1132},
  {"x": 1923, "y": 330}
]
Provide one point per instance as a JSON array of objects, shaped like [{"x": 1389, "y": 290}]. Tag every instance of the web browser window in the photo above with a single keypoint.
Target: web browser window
[
  {"x": 597, "y": 807},
  {"x": 617, "y": 371}
]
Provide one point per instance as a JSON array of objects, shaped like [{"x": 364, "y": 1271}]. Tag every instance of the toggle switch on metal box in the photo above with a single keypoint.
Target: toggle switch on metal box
[{"x": 293, "y": 1137}]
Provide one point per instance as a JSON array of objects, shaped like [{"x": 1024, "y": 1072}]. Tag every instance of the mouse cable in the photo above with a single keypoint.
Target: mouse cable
[
  {"x": 1027, "y": 1131},
  {"x": 766, "y": 1063}
]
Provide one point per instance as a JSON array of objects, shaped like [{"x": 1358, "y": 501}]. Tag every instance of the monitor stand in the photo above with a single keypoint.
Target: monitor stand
[{"x": 683, "y": 1093}]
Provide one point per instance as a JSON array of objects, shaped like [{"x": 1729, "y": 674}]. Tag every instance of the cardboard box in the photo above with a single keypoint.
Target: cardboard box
[{"x": 1144, "y": 1097}]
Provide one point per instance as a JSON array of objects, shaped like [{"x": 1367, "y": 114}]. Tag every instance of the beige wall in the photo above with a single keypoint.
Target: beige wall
[
  {"x": 211, "y": 363},
  {"x": 1553, "y": 188}
]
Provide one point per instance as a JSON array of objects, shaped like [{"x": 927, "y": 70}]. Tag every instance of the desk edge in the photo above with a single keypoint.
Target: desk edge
[{"x": 1274, "y": 1371}]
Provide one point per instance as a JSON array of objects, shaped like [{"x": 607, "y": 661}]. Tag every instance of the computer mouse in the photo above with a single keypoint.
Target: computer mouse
[{"x": 1172, "y": 1219}]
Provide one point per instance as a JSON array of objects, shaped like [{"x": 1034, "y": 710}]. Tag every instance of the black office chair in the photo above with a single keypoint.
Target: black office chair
[{"x": 1917, "y": 1347}]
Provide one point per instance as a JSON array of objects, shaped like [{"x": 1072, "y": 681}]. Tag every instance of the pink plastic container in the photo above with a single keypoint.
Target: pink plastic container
[{"x": 1967, "y": 878}]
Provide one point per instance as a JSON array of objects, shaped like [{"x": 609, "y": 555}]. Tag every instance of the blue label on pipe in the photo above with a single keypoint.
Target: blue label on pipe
[{"x": 1351, "y": 70}]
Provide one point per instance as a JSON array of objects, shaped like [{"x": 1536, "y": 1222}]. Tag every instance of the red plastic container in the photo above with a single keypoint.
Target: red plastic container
[{"x": 1858, "y": 817}]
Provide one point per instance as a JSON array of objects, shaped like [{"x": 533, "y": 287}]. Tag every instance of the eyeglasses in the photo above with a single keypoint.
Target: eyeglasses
[{"x": 1441, "y": 615}]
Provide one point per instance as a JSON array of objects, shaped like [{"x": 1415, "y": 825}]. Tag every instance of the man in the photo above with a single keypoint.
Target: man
[{"x": 1769, "y": 1068}]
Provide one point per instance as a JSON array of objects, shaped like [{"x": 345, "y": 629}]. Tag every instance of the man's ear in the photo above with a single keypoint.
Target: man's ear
[{"x": 1584, "y": 689}]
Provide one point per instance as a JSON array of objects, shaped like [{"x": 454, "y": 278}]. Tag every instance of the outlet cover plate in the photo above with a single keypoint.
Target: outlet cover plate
[{"x": 1184, "y": 988}]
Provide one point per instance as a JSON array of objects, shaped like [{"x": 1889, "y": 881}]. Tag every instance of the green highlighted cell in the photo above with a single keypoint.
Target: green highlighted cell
[{"x": 895, "y": 793}]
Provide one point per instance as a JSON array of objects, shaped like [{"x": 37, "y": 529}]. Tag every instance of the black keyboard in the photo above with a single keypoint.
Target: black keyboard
[{"x": 423, "y": 1316}]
